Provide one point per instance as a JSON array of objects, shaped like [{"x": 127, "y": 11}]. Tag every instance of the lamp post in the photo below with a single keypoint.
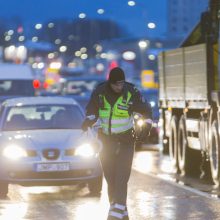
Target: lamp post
[{"x": 143, "y": 44}]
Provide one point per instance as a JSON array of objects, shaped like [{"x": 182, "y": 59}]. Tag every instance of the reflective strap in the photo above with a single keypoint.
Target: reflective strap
[
  {"x": 121, "y": 128},
  {"x": 116, "y": 214},
  {"x": 118, "y": 129},
  {"x": 117, "y": 210},
  {"x": 116, "y": 121},
  {"x": 90, "y": 117},
  {"x": 118, "y": 206}
]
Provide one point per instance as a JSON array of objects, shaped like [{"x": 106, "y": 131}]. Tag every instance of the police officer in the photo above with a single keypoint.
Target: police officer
[{"x": 114, "y": 103}]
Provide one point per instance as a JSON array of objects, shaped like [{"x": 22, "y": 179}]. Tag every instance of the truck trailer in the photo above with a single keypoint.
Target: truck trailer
[{"x": 189, "y": 98}]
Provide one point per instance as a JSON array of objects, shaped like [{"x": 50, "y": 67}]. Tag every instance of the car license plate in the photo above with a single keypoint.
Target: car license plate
[{"x": 50, "y": 167}]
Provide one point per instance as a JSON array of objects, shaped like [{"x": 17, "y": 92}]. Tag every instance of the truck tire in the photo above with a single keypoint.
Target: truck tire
[
  {"x": 186, "y": 156},
  {"x": 189, "y": 160},
  {"x": 173, "y": 144},
  {"x": 215, "y": 153},
  {"x": 163, "y": 139},
  {"x": 182, "y": 147}
]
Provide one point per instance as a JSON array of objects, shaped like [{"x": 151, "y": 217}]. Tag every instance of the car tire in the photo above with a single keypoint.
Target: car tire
[
  {"x": 3, "y": 189},
  {"x": 95, "y": 185}
]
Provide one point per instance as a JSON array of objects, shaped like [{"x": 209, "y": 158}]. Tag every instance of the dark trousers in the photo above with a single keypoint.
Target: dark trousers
[{"x": 116, "y": 158}]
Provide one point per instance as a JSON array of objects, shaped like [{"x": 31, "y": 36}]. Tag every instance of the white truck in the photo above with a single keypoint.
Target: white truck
[{"x": 189, "y": 99}]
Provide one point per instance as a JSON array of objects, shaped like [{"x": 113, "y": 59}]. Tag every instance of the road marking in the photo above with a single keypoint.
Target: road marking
[{"x": 180, "y": 184}]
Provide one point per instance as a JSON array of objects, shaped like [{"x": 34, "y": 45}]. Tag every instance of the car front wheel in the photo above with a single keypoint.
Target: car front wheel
[{"x": 95, "y": 185}]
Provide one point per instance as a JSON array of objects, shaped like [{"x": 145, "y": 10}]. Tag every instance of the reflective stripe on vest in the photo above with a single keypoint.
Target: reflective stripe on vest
[{"x": 120, "y": 120}]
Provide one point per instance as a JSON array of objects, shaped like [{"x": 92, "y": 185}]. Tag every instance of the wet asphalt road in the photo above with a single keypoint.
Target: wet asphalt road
[{"x": 154, "y": 193}]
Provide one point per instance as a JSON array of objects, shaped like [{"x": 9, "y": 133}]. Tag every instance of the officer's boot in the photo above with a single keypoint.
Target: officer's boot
[{"x": 116, "y": 212}]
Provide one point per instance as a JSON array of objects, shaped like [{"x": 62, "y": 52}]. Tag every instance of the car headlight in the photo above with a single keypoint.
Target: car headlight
[
  {"x": 85, "y": 150},
  {"x": 14, "y": 152},
  {"x": 140, "y": 122}
]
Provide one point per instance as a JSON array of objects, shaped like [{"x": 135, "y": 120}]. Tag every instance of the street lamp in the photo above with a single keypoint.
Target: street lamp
[
  {"x": 151, "y": 25},
  {"x": 143, "y": 44},
  {"x": 100, "y": 11},
  {"x": 38, "y": 26},
  {"x": 82, "y": 15},
  {"x": 131, "y": 3}
]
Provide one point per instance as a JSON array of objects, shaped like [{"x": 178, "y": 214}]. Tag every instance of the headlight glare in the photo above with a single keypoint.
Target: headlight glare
[
  {"x": 140, "y": 122},
  {"x": 14, "y": 152},
  {"x": 152, "y": 103},
  {"x": 85, "y": 150}
]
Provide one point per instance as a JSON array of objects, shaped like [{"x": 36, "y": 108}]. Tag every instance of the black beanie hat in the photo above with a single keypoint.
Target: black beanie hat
[{"x": 116, "y": 74}]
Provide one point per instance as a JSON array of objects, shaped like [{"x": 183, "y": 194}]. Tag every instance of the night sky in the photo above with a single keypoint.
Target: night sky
[{"x": 134, "y": 19}]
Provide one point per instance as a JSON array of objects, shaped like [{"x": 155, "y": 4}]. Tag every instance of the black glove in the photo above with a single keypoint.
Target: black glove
[{"x": 86, "y": 124}]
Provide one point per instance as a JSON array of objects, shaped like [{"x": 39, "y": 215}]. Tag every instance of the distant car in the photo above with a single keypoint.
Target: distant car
[
  {"x": 79, "y": 88},
  {"x": 41, "y": 143}
]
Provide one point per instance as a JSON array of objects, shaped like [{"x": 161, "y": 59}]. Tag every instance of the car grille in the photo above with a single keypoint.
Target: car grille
[
  {"x": 53, "y": 175},
  {"x": 51, "y": 154}
]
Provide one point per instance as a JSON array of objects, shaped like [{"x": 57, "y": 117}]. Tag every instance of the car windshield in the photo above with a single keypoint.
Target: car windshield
[
  {"x": 34, "y": 117},
  {"x": 16, "y": 88}
]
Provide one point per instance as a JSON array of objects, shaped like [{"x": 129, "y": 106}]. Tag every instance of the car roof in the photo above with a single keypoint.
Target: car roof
[{"x": 39, "y": 100}]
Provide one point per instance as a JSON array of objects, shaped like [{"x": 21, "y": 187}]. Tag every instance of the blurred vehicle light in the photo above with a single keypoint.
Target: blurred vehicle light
[
  {"x": 14, "y": 152},
  {"x": 85, "y": 150},
  {"x": 140, "y": 122},
  {"x": 36, "y": 84}
]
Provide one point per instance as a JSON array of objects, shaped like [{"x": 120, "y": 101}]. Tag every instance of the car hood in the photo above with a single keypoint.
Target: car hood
[{"x": 39, "y": 139}]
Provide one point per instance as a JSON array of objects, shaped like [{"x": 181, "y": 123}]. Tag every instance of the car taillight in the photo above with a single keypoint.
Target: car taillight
[
  {"x": 36, "y": 84},
  {"x": 45, "y": 85}
]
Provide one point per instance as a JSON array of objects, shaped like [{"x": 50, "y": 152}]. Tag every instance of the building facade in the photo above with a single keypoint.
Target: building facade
[{"x": 183, "y": 15}]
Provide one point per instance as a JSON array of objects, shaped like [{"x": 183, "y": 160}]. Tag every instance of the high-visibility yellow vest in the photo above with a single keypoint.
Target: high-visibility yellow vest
[{"x": 115, "y": 119}]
